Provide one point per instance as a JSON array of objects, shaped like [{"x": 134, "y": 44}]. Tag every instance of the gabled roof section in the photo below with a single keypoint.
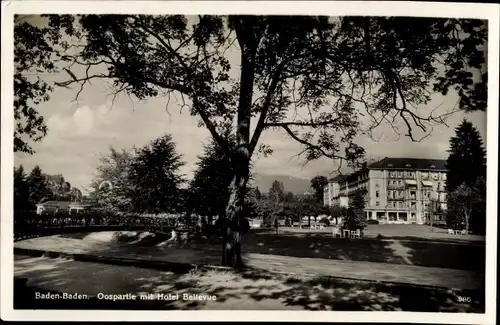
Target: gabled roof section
[{"x": 410, "y": 163}]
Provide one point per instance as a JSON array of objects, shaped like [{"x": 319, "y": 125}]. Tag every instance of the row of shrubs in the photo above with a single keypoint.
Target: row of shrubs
[{"x": 98, "y": 217}]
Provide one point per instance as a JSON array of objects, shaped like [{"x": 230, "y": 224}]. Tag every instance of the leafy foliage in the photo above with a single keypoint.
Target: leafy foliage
[
  {"x": 317, "y": 184},
  {"x": 59, "y": 188},
  {"x": 355, "y": 218},
  {"x": 465, "y": 204},
  {"x": 37, "y": 187},
  {"x": 209, "y": 189},
  {"x": 33, "y": 55},
  {"x": 111, "y": 187},
  {"x": 154, "y": 173}
]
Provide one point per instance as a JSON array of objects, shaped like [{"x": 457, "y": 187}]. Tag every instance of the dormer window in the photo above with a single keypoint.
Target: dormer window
[
  {"x": 433, "y": 166},
  {"x": 407, "y": 165},
  {"x": 390, "y": 165}
]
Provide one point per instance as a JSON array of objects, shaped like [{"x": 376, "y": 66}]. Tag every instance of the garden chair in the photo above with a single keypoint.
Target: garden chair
[
  {"x": 356, "y": 233},
  {"x": 451, "y": 232},
  {"x": 335, "y": 232},
  {"x": 321, "y": 227},
  {"x": 463, "y": 232}
]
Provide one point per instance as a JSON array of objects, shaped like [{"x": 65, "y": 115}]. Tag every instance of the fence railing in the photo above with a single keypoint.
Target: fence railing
[{"x": 27, "y": 225}]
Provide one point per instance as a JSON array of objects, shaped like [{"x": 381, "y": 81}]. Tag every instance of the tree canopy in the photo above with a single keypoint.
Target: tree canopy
[{"x": 155, "y": 175}]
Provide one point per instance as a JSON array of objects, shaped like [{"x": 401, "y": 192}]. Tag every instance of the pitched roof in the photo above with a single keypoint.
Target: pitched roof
[
  {"x": 60, "y": 204},
  {"x": 410, "y": 163}
]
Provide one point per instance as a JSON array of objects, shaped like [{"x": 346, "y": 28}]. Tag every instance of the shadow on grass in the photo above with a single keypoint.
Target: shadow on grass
[
  {"x": 258, "y": 290},
  {"x": 448, "y": 255},
  {"x": 313, "y": 246}
]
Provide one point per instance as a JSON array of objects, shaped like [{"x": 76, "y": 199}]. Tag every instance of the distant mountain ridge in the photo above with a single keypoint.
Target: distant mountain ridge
[{"x": 292, "y": 184}]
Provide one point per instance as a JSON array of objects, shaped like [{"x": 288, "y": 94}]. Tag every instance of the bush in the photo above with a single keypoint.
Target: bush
[
  {"x": 354, "y": 221},
  {"x": 325, "y": 221},
  {"x": 372, "y": 222}
]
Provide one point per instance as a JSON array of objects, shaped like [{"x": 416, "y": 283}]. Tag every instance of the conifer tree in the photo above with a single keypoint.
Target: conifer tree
[
  {"x": 467, "y": 159},
  {"x": 20, "y": 189},
  {"x": 37, "y": 187},
  {"x": 355, "y": 218}
]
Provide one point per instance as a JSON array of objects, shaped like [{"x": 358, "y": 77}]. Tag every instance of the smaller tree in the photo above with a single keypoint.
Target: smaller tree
[
  {"x": 155, "y": 175},
  {"x": 37, "y": 187},
  {"x": 355, "y": 218},
  {"x": 461, "y": 204},
  {"x": 317, "y": 185},
  {"x": 335, "y": 211},
  {"x": 20, "y": 189},
  {"x": 111, "y": 186}
]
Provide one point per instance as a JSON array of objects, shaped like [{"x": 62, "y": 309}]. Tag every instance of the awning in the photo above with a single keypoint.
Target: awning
[
  {"x": 427, "y": 183},
  {"x": 411, "y": 182}
]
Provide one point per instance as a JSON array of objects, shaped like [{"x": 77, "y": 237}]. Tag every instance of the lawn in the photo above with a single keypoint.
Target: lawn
[
  {"x": 407, "y": 250},
  {"x": 414, "y": 232},
  {"x": 249, "y": 290}
]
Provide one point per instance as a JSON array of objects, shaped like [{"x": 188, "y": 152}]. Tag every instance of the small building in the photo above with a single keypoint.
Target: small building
[{"x": 60, "y": 206}]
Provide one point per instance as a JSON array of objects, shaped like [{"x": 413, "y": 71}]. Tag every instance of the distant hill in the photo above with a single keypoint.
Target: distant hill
[{"x": 291, "y": 184}]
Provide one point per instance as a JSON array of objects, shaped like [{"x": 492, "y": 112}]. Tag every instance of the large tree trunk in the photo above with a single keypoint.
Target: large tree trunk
[
  {"x": 240, "y": 157},
  {"x": 232, "y": 224}
]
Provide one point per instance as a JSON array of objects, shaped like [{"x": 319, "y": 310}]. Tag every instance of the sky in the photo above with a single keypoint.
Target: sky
[{"x": 80, "y": 131}]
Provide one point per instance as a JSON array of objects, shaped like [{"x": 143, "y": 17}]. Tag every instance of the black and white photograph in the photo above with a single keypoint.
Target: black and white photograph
[{"x": 283, "y": 162}]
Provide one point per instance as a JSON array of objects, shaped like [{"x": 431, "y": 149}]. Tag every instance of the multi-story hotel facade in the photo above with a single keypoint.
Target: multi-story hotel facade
[{"x": 397, "y": 190}]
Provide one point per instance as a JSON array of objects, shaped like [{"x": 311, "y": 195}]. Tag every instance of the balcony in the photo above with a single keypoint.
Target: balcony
[{"x": 395, "y": 186}]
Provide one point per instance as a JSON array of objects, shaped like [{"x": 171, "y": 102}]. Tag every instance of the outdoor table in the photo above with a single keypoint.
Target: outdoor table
[
  {"x": 458, "y": 232},
  {"x": 344, "y": 231}
]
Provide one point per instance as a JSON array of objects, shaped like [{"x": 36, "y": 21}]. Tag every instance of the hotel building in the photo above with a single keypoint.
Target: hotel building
[{"x": 398, "y": 190}]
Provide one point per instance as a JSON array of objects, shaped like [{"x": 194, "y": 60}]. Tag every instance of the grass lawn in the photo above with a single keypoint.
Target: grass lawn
[
  {"x": 403, "y": 232},
  {"x": 434, "y": 253},
  {"x": 249, "y": 290}
]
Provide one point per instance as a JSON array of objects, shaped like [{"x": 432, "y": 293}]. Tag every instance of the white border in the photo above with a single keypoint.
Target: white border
[{"x": 333, "y": 8}]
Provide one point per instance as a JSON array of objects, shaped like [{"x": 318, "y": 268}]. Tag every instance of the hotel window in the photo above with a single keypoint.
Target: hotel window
[
  {"x": 377, "y": 194},
  {"x": 377, "y": 203},
  {"x": 413, "y": 205}
]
